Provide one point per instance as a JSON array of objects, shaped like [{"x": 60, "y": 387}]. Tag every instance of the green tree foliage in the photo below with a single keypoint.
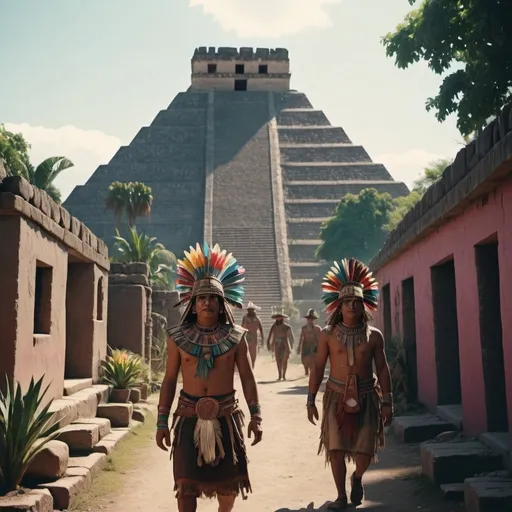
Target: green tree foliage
[
  {"x": 14, "y": 151},
  {"x": 145, "y": 249},
  {"x": 469, "y": 43},
  {"x": 401, "y": 205},
  {"x": 45, "y": 174},
  {"x": 357, "y": 228},
  {"x": 134, "y": 199}
]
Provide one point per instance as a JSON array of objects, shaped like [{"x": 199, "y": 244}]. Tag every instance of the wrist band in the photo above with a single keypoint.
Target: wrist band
[
  {"x": 311, "y": 399},
  {"x": 255, "y": 409}
]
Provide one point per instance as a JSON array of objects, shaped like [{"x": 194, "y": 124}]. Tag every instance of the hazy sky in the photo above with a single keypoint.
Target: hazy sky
[{"x": 80, "y": 79}]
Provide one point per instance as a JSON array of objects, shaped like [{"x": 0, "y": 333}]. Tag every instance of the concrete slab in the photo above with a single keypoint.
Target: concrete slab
[
  {"x": 72, "y": 386},
  {"x": 488, "y": 494},
  {"x": 78, "y": 437},
  {"x": 36, "y": 500},
  {"x": 453, "y": 462},
  {"x": 499, "y": 442},
  {"x": 451, "y": 414},
  {"x": 453, "y": 492},
  {"x": 103, "y": 424},
  {"x": 110, "y": 442},
  {"x": 419, "y": 427}
]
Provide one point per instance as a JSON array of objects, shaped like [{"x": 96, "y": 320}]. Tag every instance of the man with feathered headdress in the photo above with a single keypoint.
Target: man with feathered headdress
[
  {"x": 208, "y": 448},
  {"x": 252, "y": 323},
  {"x": 356, "y": 405}
]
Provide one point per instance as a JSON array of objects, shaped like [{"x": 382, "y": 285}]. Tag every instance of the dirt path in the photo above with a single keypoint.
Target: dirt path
[{"x": 285, "y": 471}]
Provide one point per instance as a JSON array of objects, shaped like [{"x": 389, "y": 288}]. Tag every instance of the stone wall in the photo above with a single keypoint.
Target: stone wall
[
  {"x": 129, "y": 313},
  {"x": 163, "y": 304},
  {"x": 41, "y": 310},
  {"x": 244, "y": 53},
  {"x": 474, "y": 172}
]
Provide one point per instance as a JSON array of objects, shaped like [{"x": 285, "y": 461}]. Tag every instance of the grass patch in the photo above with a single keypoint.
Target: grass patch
[{"x": 123, "y": 459}]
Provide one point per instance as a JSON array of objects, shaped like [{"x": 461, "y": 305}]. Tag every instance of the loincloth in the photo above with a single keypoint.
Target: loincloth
[
  {"x": 282, "y": 347},
  {"x": 251, "y": 337},
  {"x": 209, "y": 455},
  {"x": 361, "y": 432},
  {"x": 308, "y": 350}
]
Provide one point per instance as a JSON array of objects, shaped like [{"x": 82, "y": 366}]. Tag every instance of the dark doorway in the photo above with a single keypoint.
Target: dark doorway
[
  {"x": 446, "y": 334},
  {"x": 263, "y": 69},
  {"x": 43, "y": 299},
  {"x": 386, "y": 305},
  {"x": 488, "y": 275},
  {"x": 409, "y": 334},
  {"x": 240, "y": 69},
  {"x": 212, "y": 68},
  {"x": 240, "y": 85}
]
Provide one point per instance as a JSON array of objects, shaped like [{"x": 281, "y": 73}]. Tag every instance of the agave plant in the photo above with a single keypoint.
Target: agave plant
[
  {"x": 122, "y": 370},
  {"x": 23, "y": 422}
]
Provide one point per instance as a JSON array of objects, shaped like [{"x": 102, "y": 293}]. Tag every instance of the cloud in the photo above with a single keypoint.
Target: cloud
[
  {"x": 267, "y": 18},
  {"x": 87, "y": 149},
  {"x": 409, "y": 165}
]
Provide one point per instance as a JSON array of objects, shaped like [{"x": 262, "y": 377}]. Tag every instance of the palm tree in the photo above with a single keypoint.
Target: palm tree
[
  {"x": 117, "y": 199},
  {"x": 145, "y": 249},
  {"x": 140, "y": 200},
  {"x": 134, "y": 199},
  {"x": 45, "y": 173}
]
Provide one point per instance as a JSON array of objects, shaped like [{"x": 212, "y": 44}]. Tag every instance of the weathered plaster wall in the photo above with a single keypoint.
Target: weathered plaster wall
[
  {"x": 251, "y": 66},
  {"x": 127, "y": 311},
  {"x": 457, "y": 238},
  {"x": 86, "y": 313},
  {"x": 38, "y": 354}
]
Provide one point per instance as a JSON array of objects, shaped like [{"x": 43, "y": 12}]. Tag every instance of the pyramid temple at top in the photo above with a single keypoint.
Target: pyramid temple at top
[{"x": 242, "y": 160}]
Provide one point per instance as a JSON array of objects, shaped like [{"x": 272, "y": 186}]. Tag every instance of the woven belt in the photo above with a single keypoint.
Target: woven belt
[
  {"x": 363, "y": 386},
  {"x": 206, "y": 408}
]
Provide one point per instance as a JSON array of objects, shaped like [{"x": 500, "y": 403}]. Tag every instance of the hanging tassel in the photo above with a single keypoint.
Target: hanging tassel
[{"x": 207, "y": 437}]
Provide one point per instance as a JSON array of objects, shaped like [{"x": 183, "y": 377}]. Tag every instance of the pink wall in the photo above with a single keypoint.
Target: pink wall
[{"x": 458, "y": 238}]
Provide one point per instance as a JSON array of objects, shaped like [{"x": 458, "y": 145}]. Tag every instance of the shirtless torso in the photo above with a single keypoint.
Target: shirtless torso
[
  {"x": 281, "y": 341},
  {"x": 308, "y": 343},
  {"x": 252, "y": 323}
]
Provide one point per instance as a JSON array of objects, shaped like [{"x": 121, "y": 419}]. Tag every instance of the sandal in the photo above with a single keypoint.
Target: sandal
[
  {"x": 338, "y": 504},
  {"x": 357, "y": 492}
]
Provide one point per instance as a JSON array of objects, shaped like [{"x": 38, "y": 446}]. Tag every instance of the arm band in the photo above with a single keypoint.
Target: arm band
[
  {"x": 163, "y": 417},
  {"x": 311, "y": 399},
  {"x": 255, "y": 410}
]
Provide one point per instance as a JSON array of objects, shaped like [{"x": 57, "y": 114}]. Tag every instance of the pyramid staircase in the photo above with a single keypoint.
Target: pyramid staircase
[{"x": 242, "y": 213}]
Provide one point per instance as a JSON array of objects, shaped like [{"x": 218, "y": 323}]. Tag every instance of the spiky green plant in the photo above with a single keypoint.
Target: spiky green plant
[
  {"x": 23, "y": 422},
  {"x": 122, "y": 370},
  {"x": 400, "y": 372}
]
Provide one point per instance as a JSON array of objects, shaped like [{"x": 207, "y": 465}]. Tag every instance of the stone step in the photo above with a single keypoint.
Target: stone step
[
  {"x": 488, "y": 494},
  {"x": 82, "y": 404},
  {"x": 72, "y": 386},
  {"x": 320, "y": 171},
  {"x": 93, "y": 462},
  {"x": 311, "y": 135},
  {"x": 34, "y": 500},
  {"x": 302, "y": 117},
  {"x": 454, "y": 461},
  {"x": 118, "y": 414},
  {"x": 419, "y": 427},
  {"x": 453, "y": 492},
  {"x": 341, "y": 153},
  {"x": 451, "y": 413},
  {"x": 336, "y": 191},
  {"x": 110, "y": 442},
  {"x": 103, "y": 425},
  {"x": 79, "y": 437}
]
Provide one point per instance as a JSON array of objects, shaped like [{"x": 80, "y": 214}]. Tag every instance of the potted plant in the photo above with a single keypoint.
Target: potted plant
[
  {"x": 121, "y": 370},
  {"x": 25, "y": 428}
]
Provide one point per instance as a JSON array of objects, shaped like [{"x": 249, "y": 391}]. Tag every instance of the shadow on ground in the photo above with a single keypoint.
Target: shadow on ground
[{"x": 394, "y": 484}]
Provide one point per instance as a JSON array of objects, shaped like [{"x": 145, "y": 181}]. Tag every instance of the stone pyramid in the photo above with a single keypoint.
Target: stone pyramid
[{"x": 243, "y": 161}]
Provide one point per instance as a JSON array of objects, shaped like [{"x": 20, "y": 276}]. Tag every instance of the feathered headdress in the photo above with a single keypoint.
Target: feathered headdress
[
  {"x": 348, "y": 278},
  {"x": 206, "y": 271}
]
